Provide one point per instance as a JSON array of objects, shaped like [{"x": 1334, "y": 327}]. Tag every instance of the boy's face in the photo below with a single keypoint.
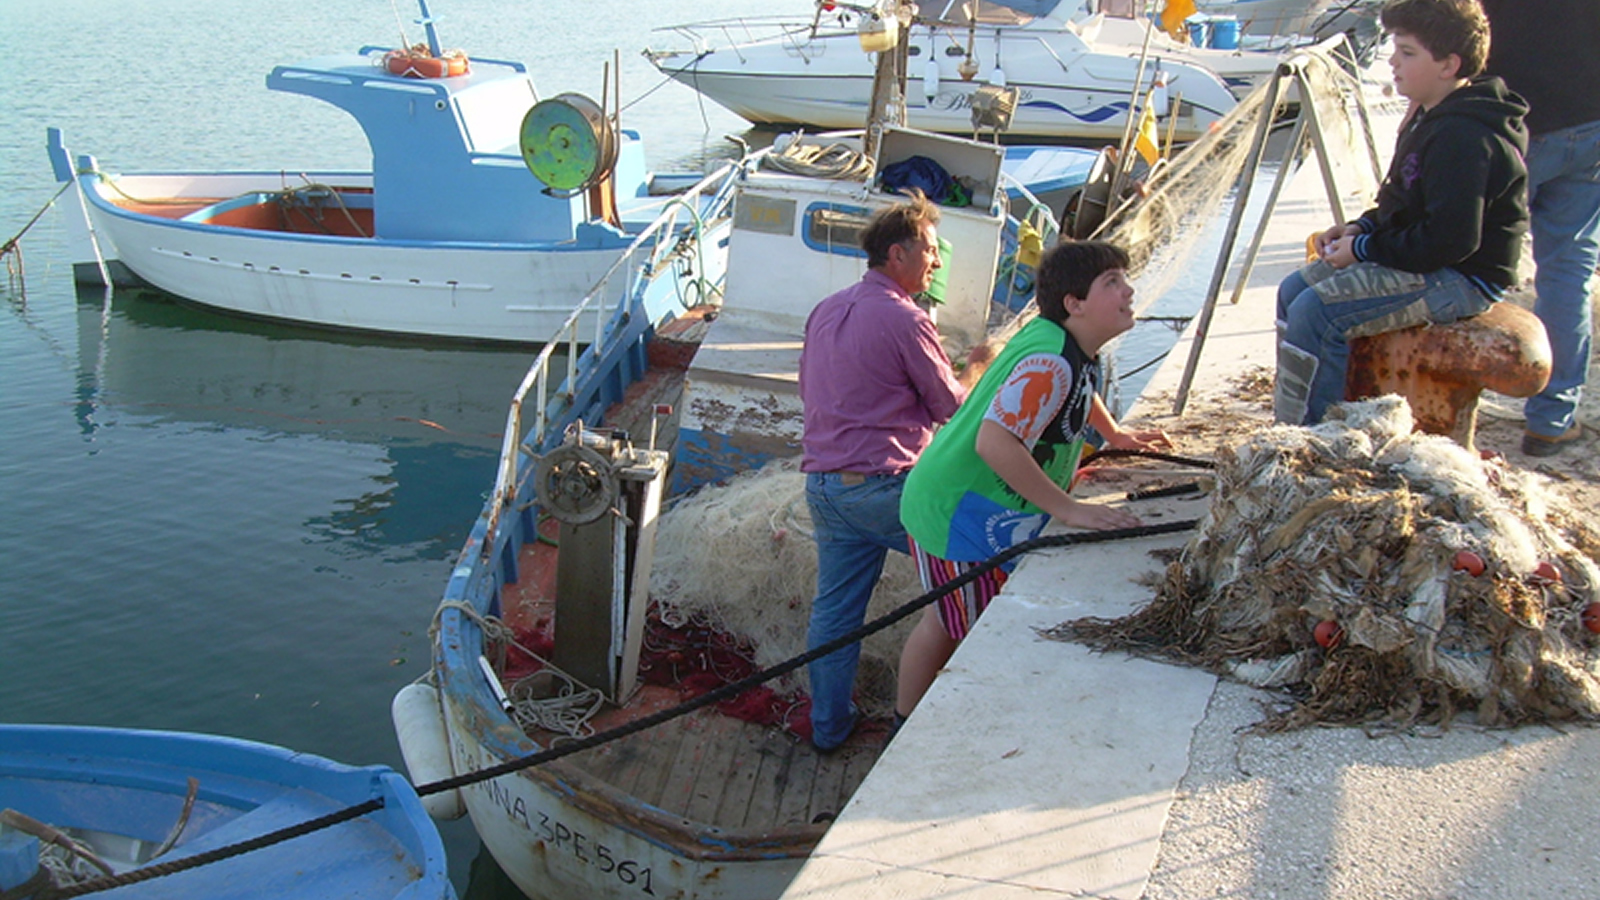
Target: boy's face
[
  {"x": 1418, "y": 76},
  {"x": 1108, "y": 310}
]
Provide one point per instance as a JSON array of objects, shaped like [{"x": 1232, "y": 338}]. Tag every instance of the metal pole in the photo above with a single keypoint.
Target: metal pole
[
  {"x": 1252, "y": 163},
  {"x": 1296, "y": 139},
  {"x": 1119, "y": 173}
]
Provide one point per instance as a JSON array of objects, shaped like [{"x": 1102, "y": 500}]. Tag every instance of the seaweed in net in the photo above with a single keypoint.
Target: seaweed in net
[{"x": 1361, "y": 523}]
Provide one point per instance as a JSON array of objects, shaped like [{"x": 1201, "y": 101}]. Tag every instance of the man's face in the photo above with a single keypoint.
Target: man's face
[{"x": 912, "y": 263}]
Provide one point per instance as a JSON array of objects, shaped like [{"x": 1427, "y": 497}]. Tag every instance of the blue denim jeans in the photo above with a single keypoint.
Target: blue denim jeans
[
  {"x": 856, "y": 525},
  {"x": 1320, "y": 308},
  {"x": 1564, "y": 202}
]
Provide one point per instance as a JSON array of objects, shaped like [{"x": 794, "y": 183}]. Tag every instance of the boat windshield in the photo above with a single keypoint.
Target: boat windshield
[{"x": 988, "y": 12}]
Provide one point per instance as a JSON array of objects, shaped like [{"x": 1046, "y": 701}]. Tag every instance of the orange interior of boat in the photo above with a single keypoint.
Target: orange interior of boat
[
  {"x": 270, "y": 215},
  {"x": 329, "y": 220}
]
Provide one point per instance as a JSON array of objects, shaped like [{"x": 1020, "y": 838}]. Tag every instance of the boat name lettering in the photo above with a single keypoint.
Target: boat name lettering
[
  {"x": 594, "y": 853},
  {"x": 514, "y": 807},
  {"x": 953, "y": 100}
]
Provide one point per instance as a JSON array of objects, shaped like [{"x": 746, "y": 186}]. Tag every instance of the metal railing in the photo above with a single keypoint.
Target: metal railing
[{"x": 676, "y": 231}]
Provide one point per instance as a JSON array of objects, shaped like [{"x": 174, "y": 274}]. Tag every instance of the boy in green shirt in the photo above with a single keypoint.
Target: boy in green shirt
[{"x": 997, "y": 473}]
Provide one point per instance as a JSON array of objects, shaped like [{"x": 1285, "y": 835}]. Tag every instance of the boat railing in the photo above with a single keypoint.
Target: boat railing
[
  {"x": 676, "y": 230},
  {"x": 742, "y": 30}
]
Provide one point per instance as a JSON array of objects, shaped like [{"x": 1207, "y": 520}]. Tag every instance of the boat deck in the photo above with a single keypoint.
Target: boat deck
[{"x": 721, "y": 772}]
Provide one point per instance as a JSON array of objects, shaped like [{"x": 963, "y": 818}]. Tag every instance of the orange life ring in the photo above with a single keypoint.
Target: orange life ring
[{"x": 412, "y": 64}]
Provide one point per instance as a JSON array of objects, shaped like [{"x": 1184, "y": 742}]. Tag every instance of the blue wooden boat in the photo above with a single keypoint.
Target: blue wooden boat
[
  {"x": 708, "y": 805},
  {"x": 132, "y": 797}
]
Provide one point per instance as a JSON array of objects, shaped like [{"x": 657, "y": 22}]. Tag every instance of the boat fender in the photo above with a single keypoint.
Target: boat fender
[
  {"x": 425, "y": 746},
  {"x": 930, "y": 79}
]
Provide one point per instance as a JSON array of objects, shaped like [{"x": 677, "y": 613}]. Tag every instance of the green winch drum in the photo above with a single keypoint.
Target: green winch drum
[{"x": 568, "y": 143}]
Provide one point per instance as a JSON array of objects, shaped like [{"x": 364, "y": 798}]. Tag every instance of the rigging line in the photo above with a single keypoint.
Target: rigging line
[
  {"x": 724, "y": 692},
  {"x": 11, "y": 244}
]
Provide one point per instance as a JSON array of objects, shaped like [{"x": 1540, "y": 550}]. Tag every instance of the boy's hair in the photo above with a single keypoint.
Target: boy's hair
[
  {"x": 1443, "y": 27},
  {"x": 1069, "y": 269},
  {"x": 897, "y": 224}
]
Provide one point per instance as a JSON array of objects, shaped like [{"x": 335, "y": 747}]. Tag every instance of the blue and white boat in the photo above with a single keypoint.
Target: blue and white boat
[
  {"x": 449, "y": 235},
  {"x": 709, "y": 805},
  {"x": 125, "y": 799}
]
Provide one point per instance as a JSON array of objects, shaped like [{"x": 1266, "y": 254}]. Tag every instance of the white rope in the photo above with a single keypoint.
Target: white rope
[
  {"x": 838, "y": 162},
  {"x": 571, "y": 707}
]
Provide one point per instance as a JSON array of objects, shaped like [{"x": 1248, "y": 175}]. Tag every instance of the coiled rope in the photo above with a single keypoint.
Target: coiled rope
[
  {"x": 727, "y": 691},
  {"x": 836, "y": 161}
]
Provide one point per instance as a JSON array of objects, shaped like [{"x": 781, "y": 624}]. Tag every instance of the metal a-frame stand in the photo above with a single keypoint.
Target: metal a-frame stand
[{"x": 1308, "y": 126}]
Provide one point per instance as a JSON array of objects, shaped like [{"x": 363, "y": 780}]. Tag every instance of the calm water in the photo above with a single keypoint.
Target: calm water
[
  {"x": 238, "y": 528},
  {"x": 241, "y": 528}
]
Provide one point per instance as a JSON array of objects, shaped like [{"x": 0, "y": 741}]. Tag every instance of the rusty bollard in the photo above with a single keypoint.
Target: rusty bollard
[{"x": 1441, "y": 369}]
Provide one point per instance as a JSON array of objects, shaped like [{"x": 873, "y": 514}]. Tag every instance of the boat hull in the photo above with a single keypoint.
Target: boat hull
[
  {"x": 1068, "y": 88},
  {"x": 121, "y": 791},
  {"x": 480, "y": 291}
]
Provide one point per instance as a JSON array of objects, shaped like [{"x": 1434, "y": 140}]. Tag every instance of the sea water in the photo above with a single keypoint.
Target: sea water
[{"x": 233, "y": 527}]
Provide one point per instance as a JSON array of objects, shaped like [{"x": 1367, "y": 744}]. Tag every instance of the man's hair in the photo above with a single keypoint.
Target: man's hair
[
  {"x": 895, "y": 225},
  {"x": 1069, "y": 269},
  {"x": 1443, "y": 27}
]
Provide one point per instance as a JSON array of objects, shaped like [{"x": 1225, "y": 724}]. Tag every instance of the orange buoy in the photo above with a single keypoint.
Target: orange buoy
[{"x": 417, "y": 62}]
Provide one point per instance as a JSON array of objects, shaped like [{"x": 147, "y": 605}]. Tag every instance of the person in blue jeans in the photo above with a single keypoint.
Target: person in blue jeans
[
  {"x": 1563, "y": 189},
  {"x": 1444, "y": 239},
  {"x": 874, "y": 383}
]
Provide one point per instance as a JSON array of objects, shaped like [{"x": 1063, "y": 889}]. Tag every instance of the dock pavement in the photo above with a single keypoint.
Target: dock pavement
[{"x": 1036, "y": 768}]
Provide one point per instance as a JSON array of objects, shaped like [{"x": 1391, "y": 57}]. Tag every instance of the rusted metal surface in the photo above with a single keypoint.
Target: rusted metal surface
[{"x": 1442, "y": 369}]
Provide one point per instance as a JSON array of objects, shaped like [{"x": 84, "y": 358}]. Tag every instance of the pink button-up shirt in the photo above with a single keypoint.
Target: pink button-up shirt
[{"x": 874, "y": 380}]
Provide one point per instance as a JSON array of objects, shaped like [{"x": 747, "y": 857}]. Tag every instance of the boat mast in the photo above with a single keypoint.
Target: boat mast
[
  {"x": 426, "y": 21},
  {"x": 887, "y": 108}
]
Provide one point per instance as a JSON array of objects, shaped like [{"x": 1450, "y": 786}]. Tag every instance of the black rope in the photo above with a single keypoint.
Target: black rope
[
  {"x": 1114, "y": 453},
  {"x": 735, "y": 688},
  {"x": 724, "y": 692},
  {"x": 158, "y": 870}
]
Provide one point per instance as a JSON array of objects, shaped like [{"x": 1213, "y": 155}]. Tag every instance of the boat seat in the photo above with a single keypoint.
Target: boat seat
[{"x": 1442, "y": 369}]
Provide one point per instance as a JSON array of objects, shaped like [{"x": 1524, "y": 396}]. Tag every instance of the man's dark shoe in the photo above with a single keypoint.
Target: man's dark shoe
[{"x": 1544, "y": 445}]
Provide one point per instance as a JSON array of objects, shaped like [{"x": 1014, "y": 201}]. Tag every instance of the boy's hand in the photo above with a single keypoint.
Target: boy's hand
[
  {"x": 1326, "y": 239},
  {"x": 1154, "y": 439},
  {"x": 1341, "y": 252},
  {"x": 1095, "y": 516}
]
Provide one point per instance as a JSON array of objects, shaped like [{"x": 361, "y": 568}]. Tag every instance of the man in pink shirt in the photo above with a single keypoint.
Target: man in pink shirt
[{"x": 875, "y": 382}]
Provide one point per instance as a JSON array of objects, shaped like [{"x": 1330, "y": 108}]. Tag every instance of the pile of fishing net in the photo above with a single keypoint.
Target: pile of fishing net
[
  {"x": 737, "y": 561},
  {"x": 1381, "y": 576}
]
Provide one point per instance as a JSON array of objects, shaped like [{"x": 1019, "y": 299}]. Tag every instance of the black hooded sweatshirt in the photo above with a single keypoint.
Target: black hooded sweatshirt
[{"x": 1456, "y": 195}]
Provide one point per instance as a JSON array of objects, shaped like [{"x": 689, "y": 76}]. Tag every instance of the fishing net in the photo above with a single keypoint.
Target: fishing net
[
  {"x": 1437, "y": 581},
  {"x": 738, "y": 560}
]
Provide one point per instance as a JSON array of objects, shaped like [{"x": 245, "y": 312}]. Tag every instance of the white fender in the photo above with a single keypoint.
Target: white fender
[
  {"x": 419, "y": 726},
  {"x": 930, "y": 79}
]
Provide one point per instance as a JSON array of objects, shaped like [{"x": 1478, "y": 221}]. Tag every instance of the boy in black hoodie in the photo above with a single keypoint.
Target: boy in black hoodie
[{"x": 1443, "y": 241}]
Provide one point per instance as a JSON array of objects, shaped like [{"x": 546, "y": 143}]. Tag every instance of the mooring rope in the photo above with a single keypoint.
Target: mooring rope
[{"x": 725, "y": 692}]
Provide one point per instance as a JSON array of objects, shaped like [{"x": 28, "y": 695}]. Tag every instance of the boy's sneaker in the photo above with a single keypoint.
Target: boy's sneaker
[{"x": 1544, "y": 445}]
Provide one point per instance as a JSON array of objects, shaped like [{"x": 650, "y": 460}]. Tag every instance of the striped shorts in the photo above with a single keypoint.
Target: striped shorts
[{"x": 959, "y": 609}]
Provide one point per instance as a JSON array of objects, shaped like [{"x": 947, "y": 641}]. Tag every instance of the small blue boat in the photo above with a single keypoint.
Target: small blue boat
[{"x": 130, "y": 798}]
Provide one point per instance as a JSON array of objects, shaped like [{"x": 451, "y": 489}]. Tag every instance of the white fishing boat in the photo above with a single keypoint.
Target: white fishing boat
[
  {"x": 712, "y": 804},
  {"x": 449, "y": 235},
  {"x": 1077, "y": 74}
]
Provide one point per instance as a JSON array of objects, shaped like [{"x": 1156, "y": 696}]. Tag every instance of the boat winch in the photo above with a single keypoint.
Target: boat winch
[
  {"x": 571, "y": 144},
  {"x": 607, "y": 496}
]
